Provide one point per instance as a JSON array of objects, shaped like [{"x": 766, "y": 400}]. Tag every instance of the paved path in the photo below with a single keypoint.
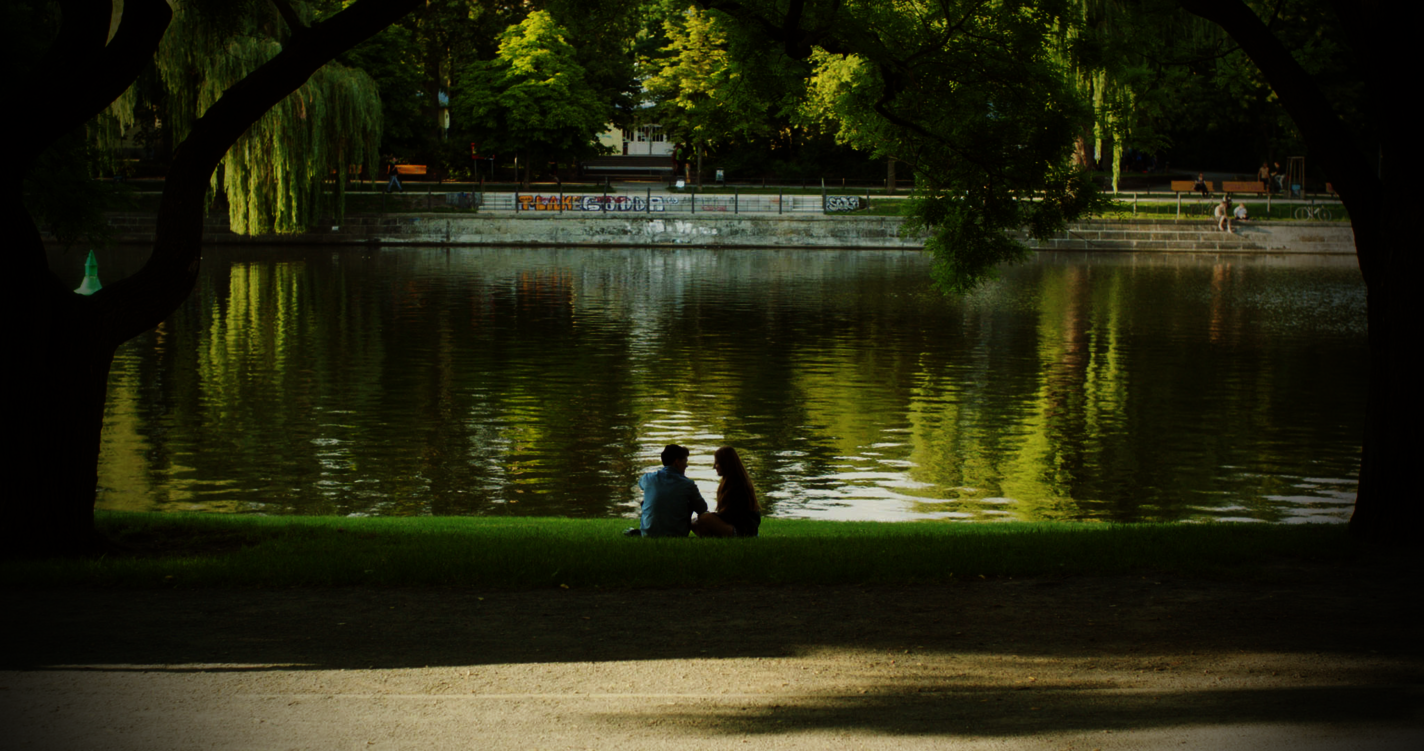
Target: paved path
[{"x": 1322, "y": 659}]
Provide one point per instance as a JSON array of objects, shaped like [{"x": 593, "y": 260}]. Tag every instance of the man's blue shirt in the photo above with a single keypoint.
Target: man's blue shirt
[{"x": 669, "y": 501}]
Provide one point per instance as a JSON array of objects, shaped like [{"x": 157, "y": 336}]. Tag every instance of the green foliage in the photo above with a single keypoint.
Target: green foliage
[
  {"x": 392, "y": 59},
  {"x": 969, "y": 97},
  {"x": 721, "y": 88},
  {"x": 1096, "y": 45},
  {"x": 533, "y": 98},
  {"x": 290, "y": 167},
  {"x": 603, "y": 33},
  {"x": 1222, "y": 110},
  {"x": 699, "y": 92}
]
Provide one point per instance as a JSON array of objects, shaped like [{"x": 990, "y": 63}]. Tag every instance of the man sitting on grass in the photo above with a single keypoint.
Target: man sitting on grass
[{"x": 669, "y": 498}]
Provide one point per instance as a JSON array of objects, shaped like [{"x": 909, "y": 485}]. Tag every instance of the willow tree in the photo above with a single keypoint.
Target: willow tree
[
  {"x": 1095, "y": 46},
  {"x": 63, "y": 343},
  {"x": 291, "y": 167}
]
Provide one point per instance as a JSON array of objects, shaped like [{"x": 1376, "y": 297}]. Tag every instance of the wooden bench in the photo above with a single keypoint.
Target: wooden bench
[
  {"x": 410, "y": 169},
  {"x": 1243, "y": 186},
  {"x": 1187, "y": 186}
]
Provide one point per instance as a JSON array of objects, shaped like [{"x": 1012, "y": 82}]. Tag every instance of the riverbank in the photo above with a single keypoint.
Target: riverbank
[
  {"x": 167, "y": 550},
  {"x": 729, "y": 230}
]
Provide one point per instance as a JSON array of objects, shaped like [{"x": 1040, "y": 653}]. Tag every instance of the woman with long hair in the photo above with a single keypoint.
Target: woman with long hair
[{"x": 738, "y": 514}]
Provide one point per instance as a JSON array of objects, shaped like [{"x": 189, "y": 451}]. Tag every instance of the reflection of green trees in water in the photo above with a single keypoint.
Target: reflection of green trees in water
[{"x": 543, "y": 382}]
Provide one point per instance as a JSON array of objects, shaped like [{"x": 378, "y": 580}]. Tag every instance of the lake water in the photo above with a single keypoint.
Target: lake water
[{"x": 1123, "y": 387}]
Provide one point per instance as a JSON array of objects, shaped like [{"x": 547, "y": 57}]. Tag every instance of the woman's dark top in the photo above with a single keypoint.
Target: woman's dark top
[{"x": 735, "y": 510}]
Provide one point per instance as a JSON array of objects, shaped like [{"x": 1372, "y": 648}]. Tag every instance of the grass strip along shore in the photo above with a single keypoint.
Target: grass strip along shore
[{"x": 167, "y": 550}]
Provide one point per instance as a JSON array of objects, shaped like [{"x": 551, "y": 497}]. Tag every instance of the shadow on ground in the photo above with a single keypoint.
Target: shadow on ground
[{"x": 1361, "y": 629}]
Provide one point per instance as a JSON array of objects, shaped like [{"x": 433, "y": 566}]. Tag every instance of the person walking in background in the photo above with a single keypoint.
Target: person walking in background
[
  {"x": 669, "y": 498},
  {"x": 738, "y": 514},
  {"x": 1264, "y": 176},
  {"x": 394, "y": 174}
]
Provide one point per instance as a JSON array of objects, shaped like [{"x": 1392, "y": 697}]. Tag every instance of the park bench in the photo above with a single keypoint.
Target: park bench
[
  {"x": 1187, "y": 186},
  {"x": 415, "y": 170},
  {"x": 1243, "y": 186}
]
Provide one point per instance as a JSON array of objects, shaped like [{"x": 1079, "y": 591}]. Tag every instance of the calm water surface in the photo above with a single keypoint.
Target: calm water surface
[{"x": 544, "y": 381}]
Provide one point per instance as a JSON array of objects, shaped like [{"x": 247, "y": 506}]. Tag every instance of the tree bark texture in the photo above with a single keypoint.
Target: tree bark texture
[
  {"x": 65, "y": 341},
  {"x": 1389, "y": 504}
]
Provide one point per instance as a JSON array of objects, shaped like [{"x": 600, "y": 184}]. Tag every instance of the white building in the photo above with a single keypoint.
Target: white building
[{"x": 644, "y": 140}]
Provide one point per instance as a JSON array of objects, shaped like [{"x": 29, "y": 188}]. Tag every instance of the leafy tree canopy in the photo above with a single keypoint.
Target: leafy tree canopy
[
  {"x": 533, "y": 98},
  {"x": 966, "y": 93},
  {"x": 708, "y": 86}
]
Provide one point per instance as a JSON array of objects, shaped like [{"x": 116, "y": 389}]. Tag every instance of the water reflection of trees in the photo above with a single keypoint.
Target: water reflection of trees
[{"x": 543, "y": 381}]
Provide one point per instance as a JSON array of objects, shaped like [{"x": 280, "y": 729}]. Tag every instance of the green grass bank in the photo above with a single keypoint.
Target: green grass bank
[{"x": 208, "y": 550}]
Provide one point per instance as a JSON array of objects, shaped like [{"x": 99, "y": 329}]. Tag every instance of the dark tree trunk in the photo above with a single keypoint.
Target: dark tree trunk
[
  {"x": 1389, "y": 504},
  {"x": 890, "y": 175},
  {"x": 58, "y": 416},
  {"x": 1083, "y": 151},
  {"x": 434, "y": 82},
  {"x": 67, "y": 341}
]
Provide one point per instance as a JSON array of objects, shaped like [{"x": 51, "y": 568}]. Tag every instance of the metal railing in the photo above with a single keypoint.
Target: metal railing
[{"x": 663, "y": 203}]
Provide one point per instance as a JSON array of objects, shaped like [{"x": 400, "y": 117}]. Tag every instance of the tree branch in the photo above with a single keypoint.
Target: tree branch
[
  {"x": 136, "y": 304},
  {"x": 294, "y": 22},
  {"x": 81, "y": 75},
  {"x": 1327, "y": 136}
]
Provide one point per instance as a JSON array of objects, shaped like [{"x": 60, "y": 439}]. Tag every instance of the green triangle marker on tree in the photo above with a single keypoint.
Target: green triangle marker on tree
[{"x": 91, "y": 284}]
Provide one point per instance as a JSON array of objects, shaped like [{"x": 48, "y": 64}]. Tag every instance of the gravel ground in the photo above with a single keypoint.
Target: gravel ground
[{"x": 1312, "y": 658}]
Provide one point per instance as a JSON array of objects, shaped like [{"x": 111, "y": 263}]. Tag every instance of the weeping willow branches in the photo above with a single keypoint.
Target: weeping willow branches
[
  {"x": 291, "y": 167},
  {"x": 1101, "y": 74},
  {"x": 1113, "y": 52}
]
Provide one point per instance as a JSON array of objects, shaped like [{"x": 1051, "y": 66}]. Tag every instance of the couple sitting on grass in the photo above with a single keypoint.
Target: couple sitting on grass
[{"x": 670, "y": 499}]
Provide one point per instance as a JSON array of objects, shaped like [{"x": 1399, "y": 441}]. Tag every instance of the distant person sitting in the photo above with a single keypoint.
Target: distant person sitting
[
  {"x": 669, "y": 498},
  {"x": 737, "y": 514},
  {"x": 1240, "y": 213},
  {"x": 1223, "y": 215},
  {"x": 1200, "y": 185}
]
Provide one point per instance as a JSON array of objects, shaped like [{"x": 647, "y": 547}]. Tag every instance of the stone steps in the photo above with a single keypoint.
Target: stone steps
[
  {"x": 1179, "y": 247},
  {"x": 1195, "y": 235}
]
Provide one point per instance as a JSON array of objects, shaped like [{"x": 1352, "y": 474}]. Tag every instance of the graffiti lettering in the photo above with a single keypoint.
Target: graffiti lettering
[
  {"x": 842, "y": 203},
  {"x": 548, "y": 203},
  {"x": 590, "y": 203}
]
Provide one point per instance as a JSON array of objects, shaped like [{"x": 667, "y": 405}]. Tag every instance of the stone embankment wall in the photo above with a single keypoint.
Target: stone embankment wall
[{"x": 761, "y": 231}]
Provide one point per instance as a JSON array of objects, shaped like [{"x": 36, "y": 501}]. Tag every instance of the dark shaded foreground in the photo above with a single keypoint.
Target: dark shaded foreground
[{"x": 1309, "y": 647}]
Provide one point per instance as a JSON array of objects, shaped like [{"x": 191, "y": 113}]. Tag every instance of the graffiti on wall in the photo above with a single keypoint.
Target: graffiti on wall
[
  {"x": 842, "y": 203},
  {"x": 590, "y": 203}
]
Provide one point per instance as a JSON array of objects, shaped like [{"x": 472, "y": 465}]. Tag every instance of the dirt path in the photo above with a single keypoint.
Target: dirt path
[{"x": 1321, "y": 659}]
